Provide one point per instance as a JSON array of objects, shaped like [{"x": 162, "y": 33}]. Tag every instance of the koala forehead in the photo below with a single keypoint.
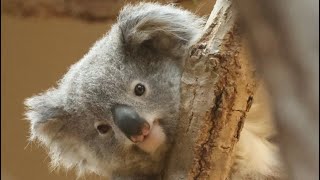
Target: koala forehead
[
  {"x": 144, "y": 45},
  {"x": 105, "y": 77}
]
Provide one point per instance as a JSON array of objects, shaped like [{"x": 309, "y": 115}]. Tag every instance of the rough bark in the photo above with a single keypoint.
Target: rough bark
[
  {"x": 217, "y": 87},
  {"x": 284, "y": 41}
]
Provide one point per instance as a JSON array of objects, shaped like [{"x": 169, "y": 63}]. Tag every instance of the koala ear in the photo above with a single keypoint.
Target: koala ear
[
  {"x": 162, "y": 29},
  {"x": 45, "y": 112},
  {"x": 44, "y": 107}
]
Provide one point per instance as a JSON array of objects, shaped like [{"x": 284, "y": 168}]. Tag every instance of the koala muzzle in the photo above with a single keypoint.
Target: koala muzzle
[{"x": 130, "y": 123}]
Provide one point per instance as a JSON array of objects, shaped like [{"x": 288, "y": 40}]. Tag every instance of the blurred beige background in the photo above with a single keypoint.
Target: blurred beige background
[{"x": 40, "y": 39}]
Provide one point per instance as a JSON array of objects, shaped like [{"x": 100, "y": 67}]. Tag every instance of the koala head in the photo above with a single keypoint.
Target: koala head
[{"x": 115, "y": 111}]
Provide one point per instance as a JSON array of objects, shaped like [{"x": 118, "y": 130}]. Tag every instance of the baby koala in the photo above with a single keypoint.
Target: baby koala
[{"x": 115, "y": 111}]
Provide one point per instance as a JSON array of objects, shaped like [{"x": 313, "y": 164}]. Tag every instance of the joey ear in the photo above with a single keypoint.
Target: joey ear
[
  {"x": 161, "y": 29},
  {"x": 45, "y": 112},
  {"x": 44, "y": 107},
  {"x": 154, "y": 36}
]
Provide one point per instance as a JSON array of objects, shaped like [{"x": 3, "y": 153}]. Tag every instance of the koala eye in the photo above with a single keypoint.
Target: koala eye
[
  {"x": 139, "y": 89},
  {"x": 103, "y": 128}
]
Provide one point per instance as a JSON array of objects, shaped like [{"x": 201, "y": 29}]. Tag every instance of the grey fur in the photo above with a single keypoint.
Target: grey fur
[{"x": 147, "y": 44}]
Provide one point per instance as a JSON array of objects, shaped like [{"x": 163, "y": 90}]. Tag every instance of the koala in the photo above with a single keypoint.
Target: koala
[{"x": 114, "y": 113}]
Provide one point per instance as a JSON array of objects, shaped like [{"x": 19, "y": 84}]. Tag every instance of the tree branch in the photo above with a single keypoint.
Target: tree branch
[{"x": 216, "y": 91}]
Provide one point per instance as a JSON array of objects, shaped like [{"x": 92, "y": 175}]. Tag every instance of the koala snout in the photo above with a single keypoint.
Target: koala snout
[{"x": 130, "y": 123}]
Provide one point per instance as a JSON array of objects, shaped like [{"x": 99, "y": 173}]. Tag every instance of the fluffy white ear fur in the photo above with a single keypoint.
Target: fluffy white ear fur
[{"x": 256, "y": 157}]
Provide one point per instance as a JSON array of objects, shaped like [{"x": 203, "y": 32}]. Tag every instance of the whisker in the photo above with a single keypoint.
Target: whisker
[{"x": 29, "y": 142}]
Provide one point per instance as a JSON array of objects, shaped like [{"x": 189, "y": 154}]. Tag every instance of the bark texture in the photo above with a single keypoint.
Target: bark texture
[
  {"x": 284, "y": 41},
  {"x": 217, "y": 88}
]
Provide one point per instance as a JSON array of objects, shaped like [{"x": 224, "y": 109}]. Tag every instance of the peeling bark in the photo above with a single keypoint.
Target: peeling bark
[{"x": 216, "y": 92}]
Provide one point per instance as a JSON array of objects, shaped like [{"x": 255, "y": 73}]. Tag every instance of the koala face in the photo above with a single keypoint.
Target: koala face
[{"x": 115, "y": 111}]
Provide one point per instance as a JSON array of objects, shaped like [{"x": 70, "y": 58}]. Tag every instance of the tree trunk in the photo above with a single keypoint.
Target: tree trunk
[
  {"x": 216, "y": 92},
  {"x": 284, "y": 40}
]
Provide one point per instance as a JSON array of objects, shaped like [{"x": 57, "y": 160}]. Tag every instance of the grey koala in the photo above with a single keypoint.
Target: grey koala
[{"x": 115, "y": 111}]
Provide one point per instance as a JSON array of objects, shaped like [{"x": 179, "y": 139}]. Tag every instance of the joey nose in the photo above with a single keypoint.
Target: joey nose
[{"x": 129, "y": 122}]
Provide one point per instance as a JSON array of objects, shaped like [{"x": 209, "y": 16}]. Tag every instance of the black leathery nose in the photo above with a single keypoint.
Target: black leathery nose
[{"x": 128, "y": 120}]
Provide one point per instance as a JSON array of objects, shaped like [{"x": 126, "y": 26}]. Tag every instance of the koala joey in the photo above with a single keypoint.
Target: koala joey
[{"x": 114, "y": 113}]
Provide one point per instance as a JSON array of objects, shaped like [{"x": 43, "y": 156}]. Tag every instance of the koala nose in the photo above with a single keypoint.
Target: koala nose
[{"x": 130, "y": 123}]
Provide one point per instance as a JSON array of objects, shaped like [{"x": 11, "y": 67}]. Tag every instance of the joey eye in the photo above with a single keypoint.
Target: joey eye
[
  {"x": 103, "y": 128},
  {"x": 139, "y": 89}
]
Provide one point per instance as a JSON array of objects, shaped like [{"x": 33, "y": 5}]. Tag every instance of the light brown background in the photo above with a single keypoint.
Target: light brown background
[{"x": 35, "y": 53}]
